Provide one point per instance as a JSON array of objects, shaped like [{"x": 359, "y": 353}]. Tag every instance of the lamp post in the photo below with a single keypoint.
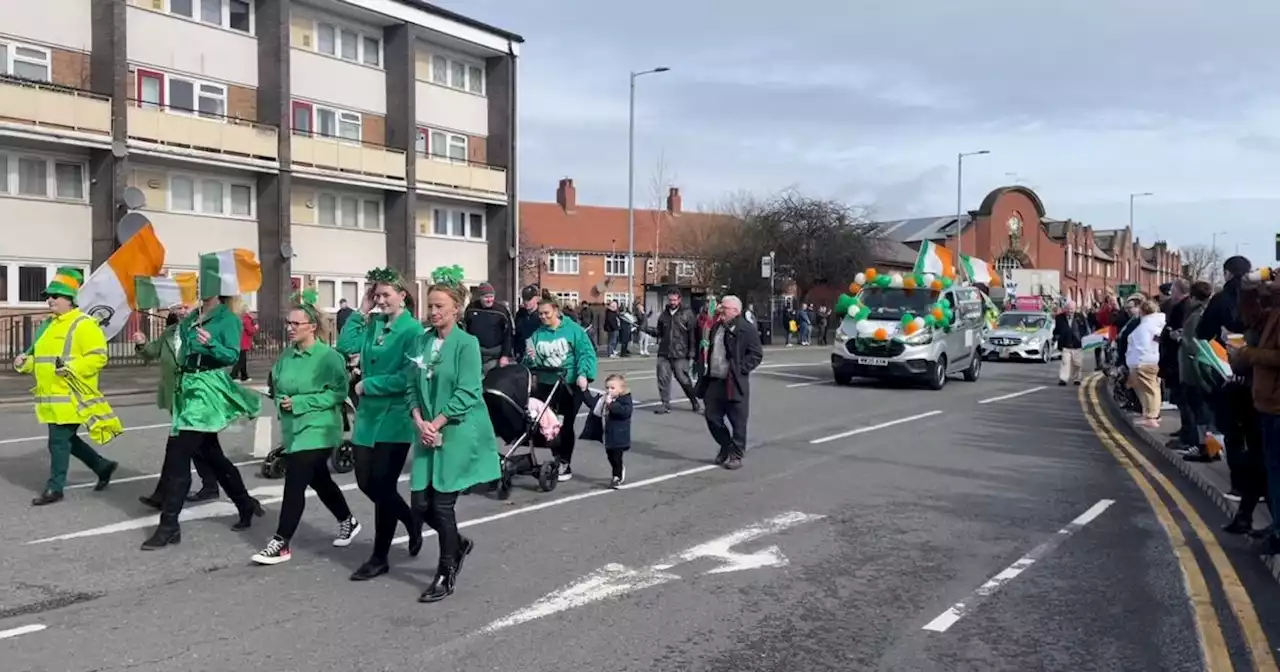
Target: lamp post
[
  {"x": 1131, "y": 197},
  {"x": 631, "y": 183},
  {"x": 960, "y": 193}
]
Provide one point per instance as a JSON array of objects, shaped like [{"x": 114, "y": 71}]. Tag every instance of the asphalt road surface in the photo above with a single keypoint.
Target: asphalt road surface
[{"x": 995, "y": 525}]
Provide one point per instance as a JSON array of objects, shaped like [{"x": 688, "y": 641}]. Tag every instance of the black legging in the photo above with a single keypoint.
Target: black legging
[
  {"x": 378, "y": 474},
  {"x": 208, "y": 480},
  {"x": 437, "y": 511},
  {"x": 302, "y": 469},
  {"x": 177, "y": 473},
  {"x": 240, "y": 370},
  {"x": 566, "y": 402}
]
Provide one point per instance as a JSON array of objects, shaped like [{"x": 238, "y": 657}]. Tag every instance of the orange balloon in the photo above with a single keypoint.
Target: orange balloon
[
  {"x": 936, "y": 286},
  {"x": 881, "y": 334},
  {"x": 909, "y": 282},
  {"x": 938, "y": 314},
  {"x": 871, "y": 274},
  {"x": 854, "y": 288},
  {"x": 911, "y": 328}
]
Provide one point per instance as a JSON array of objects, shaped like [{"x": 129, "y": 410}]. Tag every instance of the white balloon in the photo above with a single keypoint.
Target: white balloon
[
  {"x": 895, "y": 280},
  {"x": 860, "y": 278},
  {"x": 929, "y": 278},
  {"x": 919, "y": 322},
  {"x": 865, "y": 327},
  {"x": 853, "y": 311}
]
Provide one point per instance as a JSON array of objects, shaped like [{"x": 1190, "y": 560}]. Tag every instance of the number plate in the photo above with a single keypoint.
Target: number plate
[
  {"x": 873, "y": 361},
  {"x": 1004, "y": 352}
]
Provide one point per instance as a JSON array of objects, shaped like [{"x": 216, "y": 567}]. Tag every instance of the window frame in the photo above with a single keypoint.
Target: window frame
[
  {"x": 11, "y": 175},
  {"x": 452, "y": 212},
  {"x": 614, "y": 259},
  {"x": 224, "y": 11},
  {"x": 568, "y": 258},
  {"x": 470, "y": 67},
  {"x": 362, "y": 202},
  {"x": 314, "y": 110},
  {"x": 338, "y": 283},
  {"x": 11, "y": 56},
  {"x": 361, "y": 36},
  {"x": 426, "y": 135},
  {"x": 197, "y": 195},
  {"x": 10, "y": 269},
  {"x": 566, "y": 297},
  {"x": 166, "y": 94}
]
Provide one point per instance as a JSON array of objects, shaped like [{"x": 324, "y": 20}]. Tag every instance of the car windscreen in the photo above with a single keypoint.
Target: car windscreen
[
  {"x": 1022, "y": 321},
  {"x": 891, "y": 303}
]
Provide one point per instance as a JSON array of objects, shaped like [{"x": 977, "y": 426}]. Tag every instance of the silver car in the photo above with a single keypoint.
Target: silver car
[{"x": 1021, "y": 335}]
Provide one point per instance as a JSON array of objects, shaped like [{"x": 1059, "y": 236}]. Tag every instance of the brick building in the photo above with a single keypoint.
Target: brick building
[{"x": 1011, "y": 230}]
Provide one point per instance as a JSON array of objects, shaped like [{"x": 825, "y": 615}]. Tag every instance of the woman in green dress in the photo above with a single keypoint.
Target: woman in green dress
[
  {"x": 205, "y": 402},
  {"x": 455, "y": 447},
  {"x": 309, "y": 386},
  {"x": 383, "y": 432}
]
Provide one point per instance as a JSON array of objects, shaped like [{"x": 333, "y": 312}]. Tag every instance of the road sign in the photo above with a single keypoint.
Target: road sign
[
  {"x": 1124, "y": 291},
  {"x": 766, "y": 266}
]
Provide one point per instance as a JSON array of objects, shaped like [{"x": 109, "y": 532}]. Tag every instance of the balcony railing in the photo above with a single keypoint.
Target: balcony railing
[
  {"x": 449, "y": 173},
  {"x": 347, "y": 156},
  {"x": 51, "y": 106},
  {"x": 204, "y": 132}
]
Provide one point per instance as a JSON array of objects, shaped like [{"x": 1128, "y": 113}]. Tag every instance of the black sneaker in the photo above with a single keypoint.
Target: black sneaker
[
  {"x": 276, "y": 552},
  {"x": 1062, "y": 383},
  {"x": 347, "y": 531},
  {"x": 566, "y": 472},
  {"x": 662, "y": 410}
]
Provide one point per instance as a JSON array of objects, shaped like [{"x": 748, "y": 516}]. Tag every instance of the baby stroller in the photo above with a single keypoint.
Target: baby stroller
[
  {"x": 507, "y": 390},
  {"x": 343, "y": 458},
  {"x": 1125, "y": 397}
]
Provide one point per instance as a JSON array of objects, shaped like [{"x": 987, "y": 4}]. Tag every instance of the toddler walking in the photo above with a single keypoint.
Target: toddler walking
[{"x": 610, "y": 423}]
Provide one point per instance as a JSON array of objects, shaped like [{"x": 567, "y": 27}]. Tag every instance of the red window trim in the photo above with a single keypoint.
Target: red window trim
[
  {"x": 141, "y": 74},
  {"x": 311, "y": 116}
]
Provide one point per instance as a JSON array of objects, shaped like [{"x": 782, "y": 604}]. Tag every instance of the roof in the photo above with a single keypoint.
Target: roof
[
  {"x": 602, "y": 230},
  {"x": 921, "y": 229},
  {"x": 989, "y": 203},
  {"x": 891, "y": 252},
  {"x": 464, "y": 20}
]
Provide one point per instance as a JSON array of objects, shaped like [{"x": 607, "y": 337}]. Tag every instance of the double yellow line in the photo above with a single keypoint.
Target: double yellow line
[{"x": 1208, "y": 627}]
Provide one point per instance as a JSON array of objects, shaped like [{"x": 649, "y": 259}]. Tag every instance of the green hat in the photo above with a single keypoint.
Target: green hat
[{"x": 66, "y": 282}]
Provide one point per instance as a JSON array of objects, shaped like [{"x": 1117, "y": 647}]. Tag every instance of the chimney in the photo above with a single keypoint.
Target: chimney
[
  {"x": 567, "y": 195},
  {"x": 673, "y": 201}
]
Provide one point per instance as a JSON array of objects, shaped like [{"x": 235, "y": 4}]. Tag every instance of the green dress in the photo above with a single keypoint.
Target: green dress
[
  {"x": 447, "y": 379},
  {"x": 315, "y": 381},
  {"x": 382, "y": 416},
  {"x": 206, "y": 399}
]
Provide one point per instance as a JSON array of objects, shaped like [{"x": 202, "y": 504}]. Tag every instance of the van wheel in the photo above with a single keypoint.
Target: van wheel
[
  {"x": 842, "y": 378},
  {"x": 975, "y": 367},
  {"x": 938, "y": 374}
]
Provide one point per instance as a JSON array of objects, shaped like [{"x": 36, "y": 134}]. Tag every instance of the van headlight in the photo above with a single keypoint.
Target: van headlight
[
  {"x": 841, "y": 336},
  {"x": 922, "y": 337}
]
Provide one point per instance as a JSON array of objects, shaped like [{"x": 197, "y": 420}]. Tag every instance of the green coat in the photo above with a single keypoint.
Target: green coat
[
  {"x": 315, "y": 381},
  {"x": 452, "y": 387},
  {"x": 161, "y": 350},
  {"x": 208, "y": 400},
  {"x": 382, "y": 416},
  {"x": 1188, "y": 365}
]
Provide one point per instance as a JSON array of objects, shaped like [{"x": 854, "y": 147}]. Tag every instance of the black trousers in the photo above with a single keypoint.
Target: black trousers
[
  {"x": 302, "y": 469},
  {"x": 566, "y": 403},
  {"x": 240, "y": 371},
  {"x": 1234, "y": 416},
  {"x": 437, "y": 510},
  {"x": 207, "y": 479},
  {"x": 177, "y": 472},
  {"x": 721, "y": 409},
  {"x": 378, "y": 474},
  {"x": 615, "y": 460}
]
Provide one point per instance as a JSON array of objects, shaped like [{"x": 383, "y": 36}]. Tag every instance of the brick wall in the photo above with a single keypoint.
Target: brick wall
[
  {"x": 242, "y": 102},
  {"x": 477, "y": 149},
  {"x": 70, "y": 68},
  {"x": 375, "y": 128}
]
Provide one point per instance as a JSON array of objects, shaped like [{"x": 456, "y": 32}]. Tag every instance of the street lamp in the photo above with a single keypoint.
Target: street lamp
[
  {"x": 1131, "y": 197},
  {"x": 1213, "y": 254},
  {"x": 960, "y": 193},
  {"x": 631, "y": 184}
]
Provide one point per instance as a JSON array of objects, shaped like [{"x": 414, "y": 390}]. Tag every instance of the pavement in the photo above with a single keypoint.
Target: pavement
[{"x": 987, "y": 526}]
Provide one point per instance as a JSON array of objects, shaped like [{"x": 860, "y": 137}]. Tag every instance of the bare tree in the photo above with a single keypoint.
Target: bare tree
[
  {"x": 1201, "y": 262},
  {"x": 660, "y": 183},
  {"x": 530, "y": 260}
]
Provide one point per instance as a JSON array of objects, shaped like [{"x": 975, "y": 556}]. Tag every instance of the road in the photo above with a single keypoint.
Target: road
[{"x": 989, "y": 526}]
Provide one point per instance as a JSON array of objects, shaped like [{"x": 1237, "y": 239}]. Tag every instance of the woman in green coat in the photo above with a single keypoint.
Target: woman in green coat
[
  {"x": 455, "y": 447},
  {"x": 383, "y": 432},
  {"x": 309, "y": 386}
]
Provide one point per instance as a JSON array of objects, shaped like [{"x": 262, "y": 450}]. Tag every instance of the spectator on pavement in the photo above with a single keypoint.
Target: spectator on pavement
[
  {"x": 1193, "y": 388},
  {"x": 1069, "y": 329},
  {"x": 790, "y": 323},
  {"x": 612, "y": 323},
  {"x": 526, "y": 320},
  {"x": 240, "y": 371},
  {"x": 1256, "y": 393},
  {"x": 1106, "y": 316},
  {"x": 644, "y": 319},
  {"x": 1143, "y": 360},
  {"x": 735, "y": 352},
  {"x": 1175, "y": 311},
  {"x": 626, "y": 327},
  {"x": 1222, "y": 315},
  {"x": 344, "y": 311},
  {"x": 491, "y": 323},
  {"x": 805, "y": 318},
  {"x": 677, "y": 334},
  {"x": 824, "y": 317}
]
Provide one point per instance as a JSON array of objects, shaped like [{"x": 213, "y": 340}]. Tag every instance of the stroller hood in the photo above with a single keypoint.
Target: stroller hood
[{"x": 506, "y": 394}]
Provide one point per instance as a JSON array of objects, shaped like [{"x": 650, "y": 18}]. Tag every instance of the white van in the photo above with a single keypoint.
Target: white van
[{"x": 928, "y": 356}]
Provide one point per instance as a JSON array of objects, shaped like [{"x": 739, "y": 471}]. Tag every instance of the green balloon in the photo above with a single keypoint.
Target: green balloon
[
  {"x": 843, "y": 303},
  {"x": 884, "y": 280},
  {"x": 907, "y": 318},
  {"x": 863, "y": 313}
]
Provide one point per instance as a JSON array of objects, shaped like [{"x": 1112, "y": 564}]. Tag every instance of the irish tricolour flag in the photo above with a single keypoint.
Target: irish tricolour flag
[
  {"x": 1098, "y": 338},
  {"x": 109, "y": 293},
  {"x": 229, "y": 273},
  {"x": 980, "y": 271},
  {"x": 936, "y": 259},
  {"x": 159, "y": 292},
  {"x": 1214, "y": 356}
]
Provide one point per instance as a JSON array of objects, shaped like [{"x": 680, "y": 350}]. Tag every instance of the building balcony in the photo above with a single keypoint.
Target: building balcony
[
  {"x": 184, "y": 133},
  {"x": 41, "y": 108},
  {"x": 461, "y": 177},
  {"x": 348, "y": 158}
]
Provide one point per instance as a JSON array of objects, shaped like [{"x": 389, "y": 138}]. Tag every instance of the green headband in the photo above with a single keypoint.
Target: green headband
[
  {"x": 385, "y": 276},
  {"x": 306, "y": 302},
  {"x": 448, "y": 275}
]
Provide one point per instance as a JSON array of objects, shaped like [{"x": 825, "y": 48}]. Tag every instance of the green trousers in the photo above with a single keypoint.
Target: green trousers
[{"x": 63, "y": 443}]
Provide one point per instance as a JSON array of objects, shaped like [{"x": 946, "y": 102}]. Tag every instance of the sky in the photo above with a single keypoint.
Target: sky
[{"x": 869, "y": 103}]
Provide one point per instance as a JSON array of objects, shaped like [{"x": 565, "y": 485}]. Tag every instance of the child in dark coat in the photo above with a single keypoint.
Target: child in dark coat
[{"x": 610, "y": 423}]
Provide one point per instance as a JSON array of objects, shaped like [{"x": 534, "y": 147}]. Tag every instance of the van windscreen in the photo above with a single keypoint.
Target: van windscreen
[{"x": 891, "y": 303}]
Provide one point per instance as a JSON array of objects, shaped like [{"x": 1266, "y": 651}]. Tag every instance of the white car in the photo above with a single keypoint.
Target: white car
[{"x": 1021, "y": 335}]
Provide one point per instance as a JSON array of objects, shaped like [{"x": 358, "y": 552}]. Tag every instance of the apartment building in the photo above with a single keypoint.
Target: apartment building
[{"x": 330, "y": 136}]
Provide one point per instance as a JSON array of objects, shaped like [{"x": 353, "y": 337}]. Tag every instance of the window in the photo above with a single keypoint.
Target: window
[
  {"x": 32, "y": 281},
  {"x": 349, "y": 211},
  {"x": 476, "y": 226},
  {"x": 215, "y": 196},
  {"x": 333, "y": 290},
  {"x": 443, "y": 145},
  {"x": 239, "y": 16},
  {"x": 615, "y": 264},
  {"x": 43, "y": 177},
  {"x": 562, "y": 263},
  {"x": 25, "y": 61},
  {"x": 181, "y": 95},
  {"x": 68, "y": 180},
  {"x": 623, "y": 299},
  {"x": 566, "y": 298},
  {"x": 33, "y": 176},
  {"x": 457, "y": 74},
  {"x": 182, "y": 7},
  {"x": 211, "y": 11},
  {"x": 685, "y": 269},
  {"x": 234, "y": 14},
  {"x": 329, "y": 122},
  {"x": 453, "y": 223},
  {"x": 347, "y": 44}
]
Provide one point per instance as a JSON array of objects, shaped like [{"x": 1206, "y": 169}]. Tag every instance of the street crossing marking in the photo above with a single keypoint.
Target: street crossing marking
[
  {"x": 872, "y": 428},
  {"x": 45, "y": 437},
  {"x": 797, "y": 376},
  {"x": 1012, "y": 395},
  {"x": 146, "y": 477},
  {"x": 820, "y": 381},
  {"x": 24, "y": 630},
  {"x": 957, "y": 611}
]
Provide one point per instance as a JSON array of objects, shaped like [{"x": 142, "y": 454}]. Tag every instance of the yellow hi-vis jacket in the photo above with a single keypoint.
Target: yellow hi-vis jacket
[{"x": 71, "y": 397}]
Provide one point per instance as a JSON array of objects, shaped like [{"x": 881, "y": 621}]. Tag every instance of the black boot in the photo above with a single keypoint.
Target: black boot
[
  {"x": 415, "y": 535},
  {"x": 154, "y": 501},
  {"x": 372, "y": 569},
  {"x": 162, "y": 537},
  {"x": 46, "y": 498},
  {"x": 442, "y": 586},
  {"x": 1239, "y": 525},
  {"x": 247, "y": 515},
  {"x": 104, "y": 477},
  {"x": 465, "y": 546},
  {"x": 204, "y": 494}
]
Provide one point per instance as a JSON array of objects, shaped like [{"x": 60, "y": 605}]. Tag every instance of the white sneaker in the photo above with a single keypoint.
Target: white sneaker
[
  {"x": 347, "y": 531},
  {"x": 566, "y": 472}
]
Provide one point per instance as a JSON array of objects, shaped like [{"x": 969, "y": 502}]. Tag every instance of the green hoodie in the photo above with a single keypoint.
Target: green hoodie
[{"x": 567, "y": 348}]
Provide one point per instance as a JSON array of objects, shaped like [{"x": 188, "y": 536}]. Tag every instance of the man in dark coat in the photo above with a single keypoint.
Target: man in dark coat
[
  {"x": 491, "y": 323},
  {"x": 734, "y": 352},
  {"x": 677, "y": 334},
  {"x": 526, "y": 321},
  {"x": 1222, "y": 313},
  {"x": 1170, "y": 338},
  {"x": 1069, "y": 329}
]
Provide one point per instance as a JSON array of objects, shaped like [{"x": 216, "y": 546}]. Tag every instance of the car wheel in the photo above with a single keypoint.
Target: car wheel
[
  {"x": 1045, "y": 355},
  {"x": 975, "y": 368},
  {"x": 842, "y": 378},
  {"x": 938, "y": 374}
]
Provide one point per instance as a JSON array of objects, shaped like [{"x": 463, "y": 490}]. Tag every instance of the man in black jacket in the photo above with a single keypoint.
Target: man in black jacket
[
  {"x": 734, "y": 352},
  {"x": 490, "y": 322},
  {"x": 677, "y": 334},
  {"x": 1175, "y": 312},
  {"x": 1222, "y": 313},
  {"x": 527, "y": 320},
  {"x": 1069, "y": 329}
]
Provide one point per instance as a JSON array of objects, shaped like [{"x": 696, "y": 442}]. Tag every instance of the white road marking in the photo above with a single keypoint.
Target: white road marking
[
  {"x": 24, "y": 630},
  {"x": 45, "y": 437},
  {"x": 1013, "y": 395},
  {"x": 262, "y": 436},
  {"x": 812, "y": 382},
  {"x": 797, "y": 376},
  {"x": 614, "y": 580},
  {"x": 144, "y": 477},
  {"x": 957, "y": 611},
  {"x": 872, "y": 428}
]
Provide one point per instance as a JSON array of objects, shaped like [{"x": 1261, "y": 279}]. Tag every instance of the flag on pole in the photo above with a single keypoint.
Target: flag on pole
[
  {"x": 1098, "y": 338},
  {"x": 155, "y": 293},
  {"x": 935, "y": 259},
  {"x": 1212, "y": 355},
  {"x": 980, "y": 271},
  {"x": 109, "y": 295},
  {"x": 229, "y": 273}
]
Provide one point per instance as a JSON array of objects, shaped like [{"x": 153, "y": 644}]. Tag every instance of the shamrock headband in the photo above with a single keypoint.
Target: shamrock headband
[
  {"x": 448, "y": 275},
  {"x": 385, "y": 276},
  {"x": 306, "y": 302}
]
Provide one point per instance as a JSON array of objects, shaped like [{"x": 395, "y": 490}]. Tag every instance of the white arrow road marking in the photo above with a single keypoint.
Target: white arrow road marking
[{"x": 615, "y": 580}]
